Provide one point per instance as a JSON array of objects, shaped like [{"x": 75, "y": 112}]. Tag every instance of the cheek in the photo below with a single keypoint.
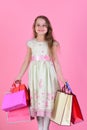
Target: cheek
[
  {"x": 46, "y": 30},
  {"x": 36, "y": 28}
]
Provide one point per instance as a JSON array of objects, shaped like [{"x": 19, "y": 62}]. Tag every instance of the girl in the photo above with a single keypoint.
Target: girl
[{"x": 44, "y": 68}]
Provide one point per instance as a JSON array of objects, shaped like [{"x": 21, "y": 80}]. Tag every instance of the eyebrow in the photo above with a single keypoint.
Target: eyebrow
[{"x": 41, "y": 24}]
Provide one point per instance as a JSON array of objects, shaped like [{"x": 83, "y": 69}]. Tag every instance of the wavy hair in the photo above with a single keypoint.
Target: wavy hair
[{"x": 49, "y": 36}]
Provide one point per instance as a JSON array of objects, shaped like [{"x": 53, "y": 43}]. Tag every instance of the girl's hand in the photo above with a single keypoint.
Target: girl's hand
[
  {"x": 68, "y": 87},
  {"x": 64, "y": 81},
  {"x": 17, "y": 81}
]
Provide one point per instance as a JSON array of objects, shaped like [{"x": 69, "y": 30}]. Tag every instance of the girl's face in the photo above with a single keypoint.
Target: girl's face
[{"x": 41, "y": 27}]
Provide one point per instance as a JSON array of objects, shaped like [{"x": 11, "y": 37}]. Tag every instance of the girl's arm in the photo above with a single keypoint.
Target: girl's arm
[
  {"x": 24, "y": 65},
  {"x": 56, "y": 62}
]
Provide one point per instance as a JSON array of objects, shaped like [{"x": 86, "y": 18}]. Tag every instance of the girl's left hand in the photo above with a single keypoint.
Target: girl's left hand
[{"x": 67, "y": 86}]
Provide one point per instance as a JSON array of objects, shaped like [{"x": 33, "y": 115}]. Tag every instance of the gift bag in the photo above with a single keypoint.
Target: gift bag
[
  {"x": 62, "y": 108},
  {"x": 76, "y": 115},
  {"x": 14, "y": 101},
  {"x": 18, "y": 87},
  {"x": 22, "y": 114},
  {"x": 76, "y": 111}
]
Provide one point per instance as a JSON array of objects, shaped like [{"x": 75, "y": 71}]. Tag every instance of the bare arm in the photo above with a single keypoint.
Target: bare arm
[
  {"x": 56, "y": 62},
  {"x": 25, "y": 64}
]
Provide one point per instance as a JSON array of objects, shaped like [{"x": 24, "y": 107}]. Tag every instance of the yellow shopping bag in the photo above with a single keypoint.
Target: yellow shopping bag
[{"x": 62, "y": 108}]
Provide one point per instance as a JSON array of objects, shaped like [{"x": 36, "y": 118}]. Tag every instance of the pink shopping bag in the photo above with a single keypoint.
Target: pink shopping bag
[
  {"x": 22, "y": 114},
  {"x": 14, "y": 101}
]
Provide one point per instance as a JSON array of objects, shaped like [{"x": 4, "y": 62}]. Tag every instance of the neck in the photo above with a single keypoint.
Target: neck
[{"x": 40, "y": 38}]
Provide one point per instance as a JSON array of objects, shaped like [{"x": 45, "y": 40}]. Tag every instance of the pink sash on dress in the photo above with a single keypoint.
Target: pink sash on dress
[{"x": 37, "y": 58}]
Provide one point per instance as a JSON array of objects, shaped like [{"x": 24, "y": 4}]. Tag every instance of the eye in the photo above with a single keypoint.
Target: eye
[
  {"x": 38, "y": 25},
  {"x": 44, "y": 25}
]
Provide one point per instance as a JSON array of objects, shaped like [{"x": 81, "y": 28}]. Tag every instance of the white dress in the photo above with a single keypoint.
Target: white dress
[{"x": 43, "y": 82}]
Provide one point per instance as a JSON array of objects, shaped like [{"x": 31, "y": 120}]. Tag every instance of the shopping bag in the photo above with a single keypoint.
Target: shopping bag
[
  {"x": 76, "y": 115},
  {"x": 22, "y": 114},
  {"x": 14, "y": 101},
  {"x": 76, "y": 111},
  {"x": 61, "y": 113},
  {"x": 19, "y": 86}
]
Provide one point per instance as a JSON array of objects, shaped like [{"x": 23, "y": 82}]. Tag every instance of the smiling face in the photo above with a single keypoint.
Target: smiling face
[{"x": 41, "y": 27}]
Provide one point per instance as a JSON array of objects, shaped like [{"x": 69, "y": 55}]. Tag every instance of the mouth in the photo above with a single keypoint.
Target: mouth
[{"x": 41, "y": 30}]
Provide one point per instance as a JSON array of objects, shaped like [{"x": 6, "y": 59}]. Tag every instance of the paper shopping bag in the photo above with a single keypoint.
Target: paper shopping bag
[
  {"x": 76, "y": 111},
  {"x": 22, "y": 114},
  {"x": 14, "y": 101},
  {"x": 62, "y": 109},
  {"x": 18, "y": 87}
]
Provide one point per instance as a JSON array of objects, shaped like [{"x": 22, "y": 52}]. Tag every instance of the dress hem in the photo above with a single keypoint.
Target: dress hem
[{"x": 40, "y": 113}]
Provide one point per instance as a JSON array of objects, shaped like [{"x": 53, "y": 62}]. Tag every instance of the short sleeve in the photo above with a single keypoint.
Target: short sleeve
[{"x": 29, "y": 44}]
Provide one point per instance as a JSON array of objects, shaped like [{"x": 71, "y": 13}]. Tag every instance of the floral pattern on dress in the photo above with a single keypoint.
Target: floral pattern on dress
[{"x": 43, "y": 81}]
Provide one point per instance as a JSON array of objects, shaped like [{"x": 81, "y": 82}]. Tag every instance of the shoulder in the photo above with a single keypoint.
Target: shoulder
[{"x": 30, "y": 42}]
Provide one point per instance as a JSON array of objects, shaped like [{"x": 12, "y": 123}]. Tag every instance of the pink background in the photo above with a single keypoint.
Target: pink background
[{"x": 69, "y": 21}]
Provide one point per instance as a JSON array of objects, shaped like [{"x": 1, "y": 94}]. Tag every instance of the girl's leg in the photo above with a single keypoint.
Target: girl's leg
[
  {"x": 40, "y": 123},
  {"x": 46, "y": 123}
]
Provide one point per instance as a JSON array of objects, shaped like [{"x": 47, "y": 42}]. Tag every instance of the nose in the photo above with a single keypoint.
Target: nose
[{"x": 40, "y": 26}]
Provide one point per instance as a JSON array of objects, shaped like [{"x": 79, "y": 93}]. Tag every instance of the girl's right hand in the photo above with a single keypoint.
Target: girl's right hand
[
  {"x": 17, "y": 81},
  {"x": 14, "y": 84}
]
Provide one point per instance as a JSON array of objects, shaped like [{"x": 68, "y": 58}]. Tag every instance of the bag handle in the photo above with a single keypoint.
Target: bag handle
[
  {"x": 15, "y": 83},
  {"x": 66, "y": 88}
]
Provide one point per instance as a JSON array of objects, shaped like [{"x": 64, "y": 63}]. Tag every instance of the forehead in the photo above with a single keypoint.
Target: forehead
[{"x": 40, "y": 21}]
